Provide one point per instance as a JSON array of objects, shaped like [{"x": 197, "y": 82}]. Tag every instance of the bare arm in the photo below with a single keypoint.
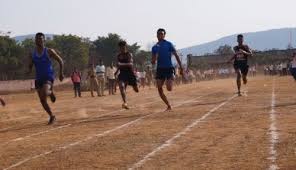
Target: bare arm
[
  {"x": 178, "y": 61},
  {"x": 53, "y": 54},
  {"x": 248, "y": 52}
]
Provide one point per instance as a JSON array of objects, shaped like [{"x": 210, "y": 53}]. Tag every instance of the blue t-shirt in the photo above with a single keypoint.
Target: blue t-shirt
[{"x": 163, "y": 50}]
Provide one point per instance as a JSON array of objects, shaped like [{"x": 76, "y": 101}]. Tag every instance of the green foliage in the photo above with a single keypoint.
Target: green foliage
[
  {"x": 224, "y": 49},
  {"x": 106, "y": 48}
]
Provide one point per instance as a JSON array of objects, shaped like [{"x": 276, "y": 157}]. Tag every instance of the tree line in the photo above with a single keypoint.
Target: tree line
[{"x": 76, "y": 52}]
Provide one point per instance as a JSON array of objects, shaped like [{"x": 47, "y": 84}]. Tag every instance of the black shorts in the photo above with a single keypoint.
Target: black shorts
[
  {"x": 127, "y": 77},
  {"x": 165, "y": 73},
  {"x": 39, "y": 83},
  {"x": 242, "y": 66}
]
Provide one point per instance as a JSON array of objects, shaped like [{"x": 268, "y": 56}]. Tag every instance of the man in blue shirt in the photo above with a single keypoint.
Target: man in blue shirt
[
  {"x": 162, "y": 54},
  {"x": 41, "y": 58}
]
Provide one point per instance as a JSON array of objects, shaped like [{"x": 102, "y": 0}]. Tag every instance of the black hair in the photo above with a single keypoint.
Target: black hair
[
  {"x": 39, "y": 34},
  {"x": 240, "y": 36},
  {"x": 161, "y": 30},
  {"x": 122, "y": 43}
]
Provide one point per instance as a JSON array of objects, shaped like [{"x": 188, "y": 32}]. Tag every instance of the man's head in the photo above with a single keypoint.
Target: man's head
[
  {"x": 294, "y": 54},
  {"x": 39, "y": 39},
  {"x": 122, "y": 46},
  {"x": 101, "y": 62},
  {"x": 240, "y": 39},
  {"x": 161, "y": 34},
  {"x": 75, "y": 69}
]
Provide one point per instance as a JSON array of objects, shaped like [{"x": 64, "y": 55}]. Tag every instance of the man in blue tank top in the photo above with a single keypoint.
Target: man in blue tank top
[
  {"x": 41, "y": 59},
  {"x": 162, "y": 54}
]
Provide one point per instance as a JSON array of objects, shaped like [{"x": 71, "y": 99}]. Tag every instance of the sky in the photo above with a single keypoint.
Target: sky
[{"x": 187, "y": 22}]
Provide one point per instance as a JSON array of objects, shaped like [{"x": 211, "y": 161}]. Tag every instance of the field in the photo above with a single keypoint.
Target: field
[{"x": 209, "y": 128}]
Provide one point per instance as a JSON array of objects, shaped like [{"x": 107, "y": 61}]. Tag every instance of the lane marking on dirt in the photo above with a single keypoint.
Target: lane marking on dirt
[
  {"x": 169, "y": 142},
  {"x": 65, "y": 126},
  {"x": 98, "y": 135},
  {"x": 273, "y": 131}
]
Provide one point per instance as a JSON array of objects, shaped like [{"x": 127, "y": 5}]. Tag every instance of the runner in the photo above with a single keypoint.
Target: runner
[
  {"x": 242, "y": 52},
  {"x": 162, "y": 54},
  {"x": 41, "y": 59},
  {"x": 126, "y": 75},
  {"x": 293, "y": 66},
  {"x": 2, "y": 101}
]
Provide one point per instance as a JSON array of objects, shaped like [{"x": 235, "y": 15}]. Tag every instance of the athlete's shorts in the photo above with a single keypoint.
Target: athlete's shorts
[
  {"x": 242, "y": 66},
  {"x": 128, "y": 77},
  {"x": 293, "y": 72},
  {"x": 40, "y": 83},
  {"x": 165, "y": 73}
]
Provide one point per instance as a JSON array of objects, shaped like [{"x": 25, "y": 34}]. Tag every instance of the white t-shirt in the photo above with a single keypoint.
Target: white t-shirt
[{"x": 100, "y": 70}]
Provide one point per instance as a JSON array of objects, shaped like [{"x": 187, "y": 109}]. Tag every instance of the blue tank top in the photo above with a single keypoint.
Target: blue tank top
[{"x": 43, "y": 66}]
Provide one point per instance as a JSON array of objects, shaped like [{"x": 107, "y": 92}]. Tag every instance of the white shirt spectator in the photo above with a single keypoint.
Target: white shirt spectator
[
  {"x": 110, "y": 73},
  {"x": 100, "y": 70}
]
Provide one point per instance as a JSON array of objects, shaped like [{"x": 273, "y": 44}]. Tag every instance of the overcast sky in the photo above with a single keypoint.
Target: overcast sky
[{"x": 188, "y": 22}]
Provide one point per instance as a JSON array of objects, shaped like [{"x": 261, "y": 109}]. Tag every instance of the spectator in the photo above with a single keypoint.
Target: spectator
[
  {"x": 100, "y": 71},
  {"x": 76, "y": 80},
  {"x": 110, "y": 74}
]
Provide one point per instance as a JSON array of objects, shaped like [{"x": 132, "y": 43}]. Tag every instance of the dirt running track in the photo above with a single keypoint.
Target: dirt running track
[{"x": 209, "y": 128}]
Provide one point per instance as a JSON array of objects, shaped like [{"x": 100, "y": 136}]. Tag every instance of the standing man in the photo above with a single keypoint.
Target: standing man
[
  {"x": 41, "y": 59},
  {"x": 162, "y": 54},
  {"x": 100, "y": 70},
  {"x": 110, "y": 74},
  {"x": 76, "y": 80},
  {"x": 242, "y": 52},
  {"x": 2, "y": 101},
  {"x": 93, "y": 82},
  {"x": 149, "y": 75}
]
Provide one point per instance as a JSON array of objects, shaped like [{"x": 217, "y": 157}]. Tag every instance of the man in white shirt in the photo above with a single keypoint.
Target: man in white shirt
[
  {"x": 100, "y": 71},
  {"x": 110, "y": 74}
]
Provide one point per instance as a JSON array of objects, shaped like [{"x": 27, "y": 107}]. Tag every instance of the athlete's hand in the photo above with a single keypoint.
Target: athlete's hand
[{"x": 61, "y": 77}]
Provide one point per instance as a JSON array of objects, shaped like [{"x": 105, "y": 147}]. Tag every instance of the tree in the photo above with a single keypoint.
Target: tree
[
  {"x": 107, "y": 48},
  {"x": 224, "y": 50},
  {"x": 73, "y": 51}
]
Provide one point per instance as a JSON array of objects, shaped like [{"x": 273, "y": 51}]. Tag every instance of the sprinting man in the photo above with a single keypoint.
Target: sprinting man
[
  {"x": 41, "y": 59},
  {"x": 242, "y": 52},
  {"x": 162, "y": 54},
  {"x": 126, "y": 75},
  {"x": 2, "y": 101}
]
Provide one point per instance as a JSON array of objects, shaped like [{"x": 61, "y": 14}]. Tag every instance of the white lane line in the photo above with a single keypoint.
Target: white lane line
[
  {"x": 169, "y": 142},
  {"x": 99, "y": 116},
  {"x": 93, "y": 136},
  {"x": 34, "y": 134},
  {"x": 4, "y": 129},
  {"x": 274, "y": 136},
  {"x": 64, "y": 126}
]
